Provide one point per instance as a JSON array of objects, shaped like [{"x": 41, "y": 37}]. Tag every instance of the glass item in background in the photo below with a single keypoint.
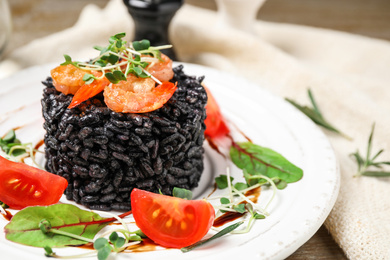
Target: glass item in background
[
  {"x": 152, "y": 19},
  {"x": 5, "y": 25},
  {"x": 238, "y": 14}
]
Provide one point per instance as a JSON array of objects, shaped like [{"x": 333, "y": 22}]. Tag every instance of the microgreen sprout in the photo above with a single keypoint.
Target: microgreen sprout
[
  {"x": 118, "y": 240},
  {"x": 368, "y": 161},
  {"x": 119, "y": 59},
  {"x": 13, "y": 149}
]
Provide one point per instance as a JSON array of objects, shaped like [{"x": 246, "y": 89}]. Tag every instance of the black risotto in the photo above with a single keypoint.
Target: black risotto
[{"x": 104, "y": 154}]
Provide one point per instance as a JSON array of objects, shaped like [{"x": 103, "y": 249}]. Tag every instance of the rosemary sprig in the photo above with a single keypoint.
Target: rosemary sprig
[
  {"x": 368, "y": 161},
  {"x": 315, "y": 114}
]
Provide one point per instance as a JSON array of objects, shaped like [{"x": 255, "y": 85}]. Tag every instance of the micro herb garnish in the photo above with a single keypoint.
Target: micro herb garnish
[
  {"x": 221, "y": 233},
  {"x": 316, "y": 116},
  {"x": 13, "y": 149},
  {"x": 368, "y": 161},
  {"x": 237, "y": 201},
  {"x": 182, "y": 193},
  {"x": 119, "y": 59}
]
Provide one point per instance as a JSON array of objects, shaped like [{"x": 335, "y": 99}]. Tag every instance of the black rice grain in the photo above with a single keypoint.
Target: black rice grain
[{"x": 104, "y": 155}]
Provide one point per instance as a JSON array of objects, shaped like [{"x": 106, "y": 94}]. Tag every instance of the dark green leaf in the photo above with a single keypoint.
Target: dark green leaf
[
  {"x": 9, "y": 137},
  {"x": 258, "y": 216},
  {"x": 112, "y": 59},
  {"x": 119, "y": 75},
  {"x": 135, "y": 238},
  {"x": 222, "y": 182},
  {"x": 120, "y": 35},
  {"x": 141, "y": 45},
  {"x": 48, "y": 251},
  {"x": 113, "y": 237},
  {"x": 182, "y": 193},
  {"x": 256, "y": 159},
  {"x": 218, "y": 235},
  {"x": 240, "y": 186},
  {"x": 240, "y": 208},
  {"x": 100, "y": 243},
  {"x": 140, "y": 233},
  {"x": 88, "y": 78},
  {"x": 24, "y": 225},
  {"x": 104, "y": 252},
  {"x": 119, "y": 242},
  {"x": 112, "y": 78},
  {"x": 224, "y": 200},
  {"x": 281, "y": 185},
  {"x": 138, "y": 71}
]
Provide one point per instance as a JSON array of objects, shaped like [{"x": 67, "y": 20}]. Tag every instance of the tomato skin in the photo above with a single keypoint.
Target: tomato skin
[
  {"x": 169, "y": 221},
  {"x": 22, "y": 185},
  {"x": 215, "y": 123}
]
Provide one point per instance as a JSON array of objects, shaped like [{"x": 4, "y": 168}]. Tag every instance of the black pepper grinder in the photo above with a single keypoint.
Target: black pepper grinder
[{"x": 152, "y": 19}]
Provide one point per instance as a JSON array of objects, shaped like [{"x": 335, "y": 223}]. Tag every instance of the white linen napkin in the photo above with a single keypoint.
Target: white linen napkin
[{"x": 348, "y": 74}]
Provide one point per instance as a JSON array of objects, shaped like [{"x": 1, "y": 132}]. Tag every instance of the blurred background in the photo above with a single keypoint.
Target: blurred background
[
  {"x": 34, "y": 19},
  {"x": 37, "y": 18}
]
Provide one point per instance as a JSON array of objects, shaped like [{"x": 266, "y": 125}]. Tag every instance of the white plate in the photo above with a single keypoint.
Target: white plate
[{"x": 295, "y": 214}]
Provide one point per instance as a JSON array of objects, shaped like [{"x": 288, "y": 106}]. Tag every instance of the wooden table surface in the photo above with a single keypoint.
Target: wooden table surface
[{"x": 37, "y": 18}]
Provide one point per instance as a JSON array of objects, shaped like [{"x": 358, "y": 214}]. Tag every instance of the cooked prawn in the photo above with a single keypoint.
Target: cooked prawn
[
  {"x": 162, "y": 70},
  {"x": 67, "y": 78},
  {"x": 137, "y": 95}
]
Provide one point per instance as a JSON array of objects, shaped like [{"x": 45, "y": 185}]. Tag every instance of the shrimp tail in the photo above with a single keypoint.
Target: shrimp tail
[{"x": 87, "y": 91}]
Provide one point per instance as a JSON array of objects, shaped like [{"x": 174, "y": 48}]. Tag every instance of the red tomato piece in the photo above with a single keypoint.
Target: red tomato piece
[
  {"x": 215, "y": 123},
  {"x": 169, "y": 221},
  {"x": 22, "y": 185}
]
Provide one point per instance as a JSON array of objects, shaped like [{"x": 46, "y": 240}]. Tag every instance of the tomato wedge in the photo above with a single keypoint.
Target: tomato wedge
[
  {"x": 169, "y": 221},
  {"x": 215, "y": 123},
  {"x": 22, "y": 185}
]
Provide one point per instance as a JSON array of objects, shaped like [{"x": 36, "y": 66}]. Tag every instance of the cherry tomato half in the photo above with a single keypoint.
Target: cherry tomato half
[
  {"x": 169, "y": 221},
  {"x": 22, "y": 185},
  {"x": 215, "y": 123}
]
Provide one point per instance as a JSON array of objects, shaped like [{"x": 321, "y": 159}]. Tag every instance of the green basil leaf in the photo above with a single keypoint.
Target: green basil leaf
[
  {"x": 24, "y": 225},
  {"x": 256, "y": 159}
]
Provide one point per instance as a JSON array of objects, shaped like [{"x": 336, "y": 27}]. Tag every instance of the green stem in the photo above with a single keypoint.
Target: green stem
[{"x": 64, "y": 233}]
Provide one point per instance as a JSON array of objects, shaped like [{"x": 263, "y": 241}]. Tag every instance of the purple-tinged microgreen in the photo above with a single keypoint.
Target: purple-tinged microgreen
[
  {"x": 316, "y": 116},
  {"x": 365, "y": 163}
]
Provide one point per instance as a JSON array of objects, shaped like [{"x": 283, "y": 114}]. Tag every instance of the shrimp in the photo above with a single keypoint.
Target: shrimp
[
  {"x": 67, "y": 78},
  {"x": 137, "y": 95},
  {"x": 162, "y": 70}
]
